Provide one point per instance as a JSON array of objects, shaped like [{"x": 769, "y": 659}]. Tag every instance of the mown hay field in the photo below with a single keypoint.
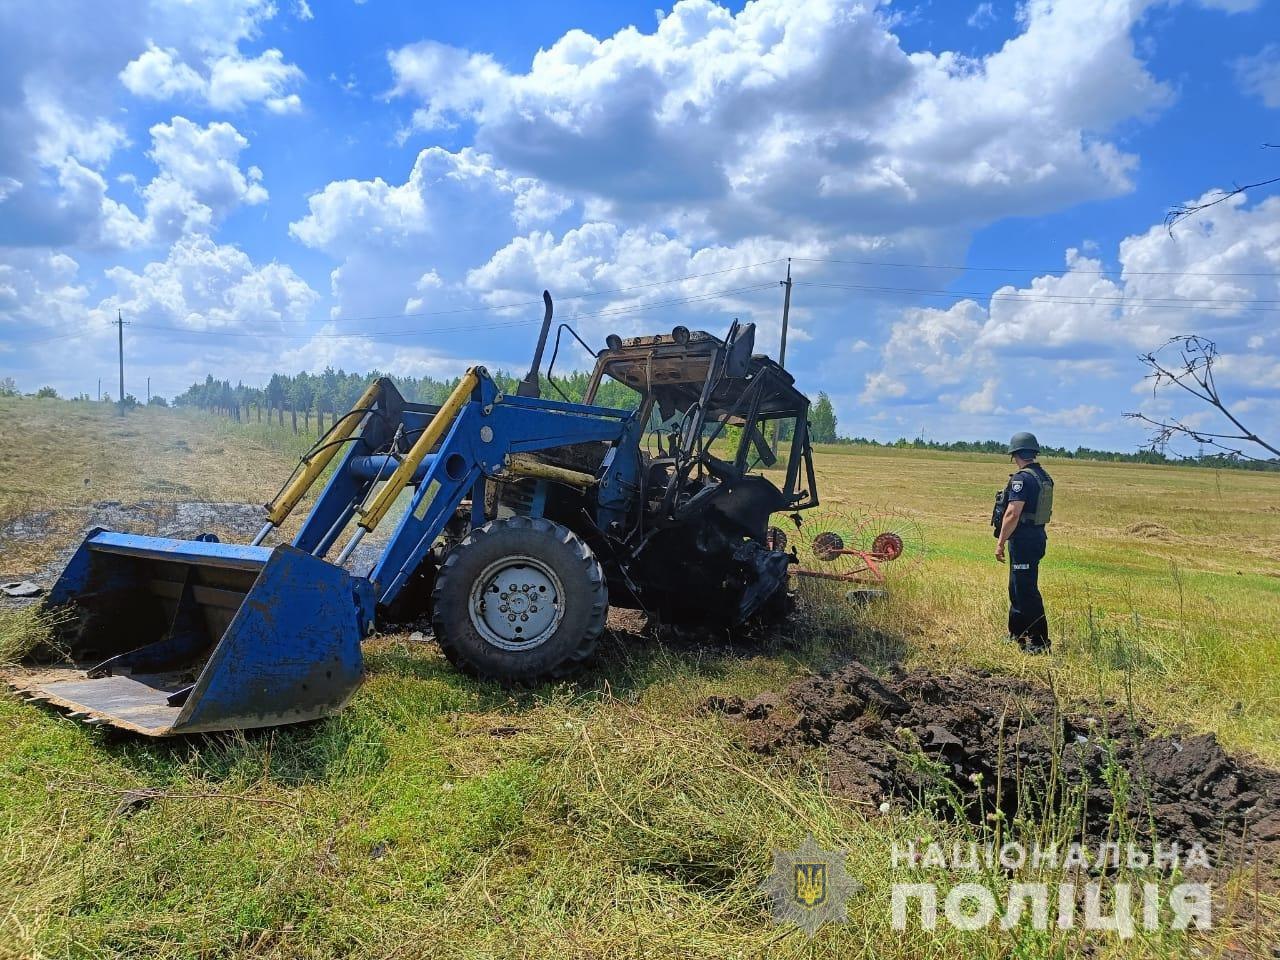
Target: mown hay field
[{"x": 608, "y": 816}]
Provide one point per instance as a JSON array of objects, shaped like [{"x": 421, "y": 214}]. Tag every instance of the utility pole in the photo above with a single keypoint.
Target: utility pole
[
  {"x": 99, "y": 389},
  {"x": 148, "y": 391},
  {"x": 120, "y": 328},
  {"x": 782, "y": 350},
  {"x": 786, "y": 314}
]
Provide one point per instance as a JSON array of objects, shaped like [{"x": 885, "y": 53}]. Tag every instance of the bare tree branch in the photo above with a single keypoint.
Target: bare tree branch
[
  {"x": 1181, "y": 212},
  {"x": 1163, "y": 431},
  {"x": 1195, "y": 375}
]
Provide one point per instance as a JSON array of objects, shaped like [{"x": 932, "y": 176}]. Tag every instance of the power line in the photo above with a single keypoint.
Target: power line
[
  {"x": 365, "y": 335},
  {"x": 370, "y": 335},
  {"x": 1069, "y": 299},
  {"x": 1038, "y": 270},
  {"x": 62, "y": 336},
  {"x": 697, "y": 298},
  {"x": 1207, "y": 303},
  {"x": 559, "y": 298},
  {"x": 487, "y": 308}
]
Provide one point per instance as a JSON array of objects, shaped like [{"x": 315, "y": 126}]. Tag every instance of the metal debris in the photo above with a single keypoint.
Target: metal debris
[
  {"x": 22, "y": 588},
  {"x": 131, "y": 801}
]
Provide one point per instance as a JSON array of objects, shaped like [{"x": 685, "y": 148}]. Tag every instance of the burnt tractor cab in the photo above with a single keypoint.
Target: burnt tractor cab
[{"x": 725, "y": 446}]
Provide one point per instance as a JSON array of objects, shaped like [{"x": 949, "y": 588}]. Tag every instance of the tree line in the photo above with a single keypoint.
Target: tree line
[
  {"x": 331, "y": 393},
  {"x": 1217, "y": 459},
  {"x": 298, "y": 398}
]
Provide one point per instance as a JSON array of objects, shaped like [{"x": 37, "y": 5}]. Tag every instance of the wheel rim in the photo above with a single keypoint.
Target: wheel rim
[
  {"x": 516, "y": 603},
  {"x": 827, "y": 546},
  {"x": 887, "y": 546}
]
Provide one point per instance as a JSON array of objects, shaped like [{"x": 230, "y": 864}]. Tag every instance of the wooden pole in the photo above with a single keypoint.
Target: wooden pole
[{"x": 782, "y": 349}]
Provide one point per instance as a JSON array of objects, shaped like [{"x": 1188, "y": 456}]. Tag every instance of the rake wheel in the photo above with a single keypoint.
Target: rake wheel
[
  {"x": 823, "y": 541},
  {"x": 841, "y": 546},
  {"x": 827, "y": 545},
  {"x": 893, "y": 540}
]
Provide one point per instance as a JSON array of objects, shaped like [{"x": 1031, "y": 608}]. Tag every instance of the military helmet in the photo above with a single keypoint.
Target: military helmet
[{"x": 1023, "y": 441}]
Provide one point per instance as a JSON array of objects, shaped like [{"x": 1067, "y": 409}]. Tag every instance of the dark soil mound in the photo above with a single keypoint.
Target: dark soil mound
[{"x": 974, "y": 742}]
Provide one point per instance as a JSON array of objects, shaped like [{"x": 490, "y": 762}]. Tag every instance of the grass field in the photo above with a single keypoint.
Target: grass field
[{"x": 605, "y": 817}]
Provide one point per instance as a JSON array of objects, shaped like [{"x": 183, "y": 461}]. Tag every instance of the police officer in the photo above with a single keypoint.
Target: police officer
[{"x": 1020, "y": 520}]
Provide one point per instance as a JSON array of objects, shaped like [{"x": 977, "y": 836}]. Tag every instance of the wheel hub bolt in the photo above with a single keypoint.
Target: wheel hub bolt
[
  {"x": 504, "y": 608},
  {"x": 511, "y": 617},
  {"x": 524, "y": 616}
]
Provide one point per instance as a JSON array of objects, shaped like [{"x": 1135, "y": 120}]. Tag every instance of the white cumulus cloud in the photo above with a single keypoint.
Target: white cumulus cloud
[
  {"x": 199, "y": 179},
  {"x": 1259, "y": 75},
  {"x": 233, "y": 80},
  {"x": 1217, "y": 275},
  {"x": 158, "y": 74},
  {"x": 203, "y": 285},
  {"x": 688, "y": 116}
]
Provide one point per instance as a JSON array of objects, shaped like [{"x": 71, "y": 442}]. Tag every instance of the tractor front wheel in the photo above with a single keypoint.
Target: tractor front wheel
[{"x": 519, "y": 600}]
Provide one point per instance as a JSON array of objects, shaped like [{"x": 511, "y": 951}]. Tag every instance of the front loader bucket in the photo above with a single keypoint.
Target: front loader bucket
[{"x": 179, "y": 636}]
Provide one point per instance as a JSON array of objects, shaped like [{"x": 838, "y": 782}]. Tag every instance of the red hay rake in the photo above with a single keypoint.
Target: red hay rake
[{"x": 844, "y": 548}]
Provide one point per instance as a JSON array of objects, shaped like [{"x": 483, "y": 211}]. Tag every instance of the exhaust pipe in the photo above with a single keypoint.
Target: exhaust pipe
[{"x": 530, "y": 386}]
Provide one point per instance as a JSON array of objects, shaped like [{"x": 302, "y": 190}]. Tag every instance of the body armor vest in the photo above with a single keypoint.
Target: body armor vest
[{"x": 1044, "y": 503}]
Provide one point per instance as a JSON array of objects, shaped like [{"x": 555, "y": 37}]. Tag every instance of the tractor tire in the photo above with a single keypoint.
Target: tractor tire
[{"x": 519, "y": 600}]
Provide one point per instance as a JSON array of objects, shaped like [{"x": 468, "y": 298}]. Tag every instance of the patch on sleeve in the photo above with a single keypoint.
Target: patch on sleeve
[{"x": 1016, "y": 486}]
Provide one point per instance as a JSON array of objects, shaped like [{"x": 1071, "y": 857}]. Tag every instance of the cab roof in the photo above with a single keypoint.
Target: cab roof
[{"x": 673, "y": 368}]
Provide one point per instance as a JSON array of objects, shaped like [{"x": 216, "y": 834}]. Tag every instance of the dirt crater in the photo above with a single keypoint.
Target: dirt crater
[{"x": 974, "y": 743}]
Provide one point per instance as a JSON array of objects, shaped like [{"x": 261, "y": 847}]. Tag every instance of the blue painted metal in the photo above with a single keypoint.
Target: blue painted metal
[
  {"x": 620, "y": 476},
  {"x": 539, "y": 503},
  {"x": 213, "y": 554},
  {"x": 381, "y": 466},
  {"x": 515, "y": 425},
  {"x": 565, "y": 406},
  {"x": 436, "y": 499},
  {"x": 79, "y": 573},
  {"x": 188, "y": 636},
  {"x": 477, "y": 503},
  {"x": 292, "y": 652},
  {"x": 346, "y": 488},
  {"x": 336, "y": 504}
]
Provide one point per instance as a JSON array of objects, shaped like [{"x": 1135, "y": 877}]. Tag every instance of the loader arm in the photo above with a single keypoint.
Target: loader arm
[
  {"x": 484, "y": 440},
  {"x": 163, "y": 636},
  {"x": 169, "y": 636}
]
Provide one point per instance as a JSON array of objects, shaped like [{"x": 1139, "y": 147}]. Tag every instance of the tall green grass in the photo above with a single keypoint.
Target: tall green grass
[{"x": 608, "y": 816}]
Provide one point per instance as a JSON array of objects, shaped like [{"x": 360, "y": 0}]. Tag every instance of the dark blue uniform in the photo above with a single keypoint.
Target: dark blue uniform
[{"x": 1027, "y": 621}]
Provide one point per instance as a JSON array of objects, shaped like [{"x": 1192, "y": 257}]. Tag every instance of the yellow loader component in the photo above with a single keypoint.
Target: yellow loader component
[
  {"x": 371, "y": 516},
  {"x": 284, "y": 502},
  {"x": 523, "y": 465}
]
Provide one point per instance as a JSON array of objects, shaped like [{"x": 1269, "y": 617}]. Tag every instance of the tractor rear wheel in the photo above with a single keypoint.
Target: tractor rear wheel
[{"x": 519, "y": 600}]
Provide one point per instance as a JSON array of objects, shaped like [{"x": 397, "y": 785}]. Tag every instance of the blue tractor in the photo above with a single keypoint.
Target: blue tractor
[{"x": 521, "y": 519}]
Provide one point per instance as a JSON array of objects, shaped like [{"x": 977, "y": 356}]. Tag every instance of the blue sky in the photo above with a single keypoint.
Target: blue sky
[{"x": 973, "y": 193}]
